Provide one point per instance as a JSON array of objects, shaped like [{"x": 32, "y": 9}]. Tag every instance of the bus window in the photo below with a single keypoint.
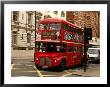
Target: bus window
[
  {"x": 55, "y": 26},
  {"x": 69, "y": 48},
  {"x": 78, "y": 49},
  {"x": 50, "y": 47},
  {"x": 65, "y": 27},
  {"x": 78, "y": 32},
  {"x": 74, "y": 49},
  {"x": 71, "y": 29},
  {"x": 43, "y": 26},
  {"x": 69, "y": 36},
  {"x": 40, "y": 47},
  {"x": 63, "y": 48},
  {"x": 60, "y": 48},
  {"x": 81, "y": 49},
  {"x": 74, "y": 30}
]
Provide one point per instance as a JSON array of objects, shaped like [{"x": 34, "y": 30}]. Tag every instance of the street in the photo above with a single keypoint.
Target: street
[{"x": 24, "y": 67}]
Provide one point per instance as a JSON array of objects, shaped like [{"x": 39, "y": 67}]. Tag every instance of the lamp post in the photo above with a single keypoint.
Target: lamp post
[
  {"x": 87, "y": 37},
  {"x": 86, "y": 43}
]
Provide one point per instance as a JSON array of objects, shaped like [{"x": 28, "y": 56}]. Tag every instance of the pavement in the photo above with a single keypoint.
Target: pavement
[{"x": 93, "y": 70}]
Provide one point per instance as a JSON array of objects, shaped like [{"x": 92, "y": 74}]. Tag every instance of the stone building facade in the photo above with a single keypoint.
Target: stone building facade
[{"x": 22, "y": 30}]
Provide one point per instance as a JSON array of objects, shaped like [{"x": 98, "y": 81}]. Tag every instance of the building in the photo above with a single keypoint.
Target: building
[
  {"x": 89, "y": 19},
  {"x": 22, "y": 30},
  {"x": 54, "y": 14}
]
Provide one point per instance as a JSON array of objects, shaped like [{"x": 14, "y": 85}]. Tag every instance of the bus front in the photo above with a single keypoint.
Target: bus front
[{"x": 49, "y": 50}]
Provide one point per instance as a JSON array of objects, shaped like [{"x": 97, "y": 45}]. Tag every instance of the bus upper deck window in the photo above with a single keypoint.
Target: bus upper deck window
[
  {"x": 54, "y": 26},
  {"x": 40, "y": 26},
  {"x": 43, "y": 26}
]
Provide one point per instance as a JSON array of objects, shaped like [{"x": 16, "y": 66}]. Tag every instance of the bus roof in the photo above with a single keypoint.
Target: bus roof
[
  {"x": 56, "y": 20},
  {"x": 50, "y": 20}
]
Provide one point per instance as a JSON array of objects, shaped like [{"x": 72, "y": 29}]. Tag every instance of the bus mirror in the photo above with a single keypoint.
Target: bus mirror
[{"x": 88, "y": 33}]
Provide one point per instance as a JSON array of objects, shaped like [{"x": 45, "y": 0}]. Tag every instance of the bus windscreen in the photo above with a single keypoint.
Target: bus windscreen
[{"x": 50, "y": 47}]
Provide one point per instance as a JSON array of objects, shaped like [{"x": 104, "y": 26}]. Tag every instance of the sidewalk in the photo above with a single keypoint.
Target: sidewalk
[
  {"x": 23, "y": 57},
  {"x": 93, "y": 70},
  {"x": 22, "y": 54}
]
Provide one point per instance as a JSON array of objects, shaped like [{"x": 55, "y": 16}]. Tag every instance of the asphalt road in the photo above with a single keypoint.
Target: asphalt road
[{"x": 24, "y": 67}]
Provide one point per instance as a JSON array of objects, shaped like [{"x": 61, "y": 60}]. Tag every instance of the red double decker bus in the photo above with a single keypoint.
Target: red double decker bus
[{"x": 58, "y": 44}]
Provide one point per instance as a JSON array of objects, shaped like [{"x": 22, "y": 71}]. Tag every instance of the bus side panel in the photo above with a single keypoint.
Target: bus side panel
[
  {"x": 71, "y": 56},
  {"x": 78, "y": 55}
]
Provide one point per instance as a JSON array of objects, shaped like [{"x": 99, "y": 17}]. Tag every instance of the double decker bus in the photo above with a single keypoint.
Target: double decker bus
[{"x": 58, "y": 43}]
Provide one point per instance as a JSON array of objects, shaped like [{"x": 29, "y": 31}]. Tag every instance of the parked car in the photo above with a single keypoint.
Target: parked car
[{"x": 94, "y": 54}]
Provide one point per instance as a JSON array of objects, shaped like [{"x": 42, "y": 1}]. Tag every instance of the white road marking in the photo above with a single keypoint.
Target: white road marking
[
  {"x": 48, "y": 75},
  {"x": 29, "y": 65},
  {"x": 66, "y": 74},
  {"x": 39, "y": 73}
]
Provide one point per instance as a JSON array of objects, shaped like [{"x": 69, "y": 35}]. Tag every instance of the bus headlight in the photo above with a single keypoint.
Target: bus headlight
[
  {"x": 55, "y": 61},
  {"x": 58, "y": 59},
  {"x": 36, "y": 58}
]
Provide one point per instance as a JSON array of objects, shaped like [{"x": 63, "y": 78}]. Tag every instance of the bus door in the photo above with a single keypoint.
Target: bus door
[{"x": 71, "y": 55}]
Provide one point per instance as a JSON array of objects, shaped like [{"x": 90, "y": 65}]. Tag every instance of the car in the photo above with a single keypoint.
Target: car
[{"x": 94, "y": 55}]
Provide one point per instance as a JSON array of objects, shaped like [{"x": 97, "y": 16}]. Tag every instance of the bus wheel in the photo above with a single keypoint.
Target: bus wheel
[
  {"x": 61, "y": 67},
  {"x": 37, "y": 66}
]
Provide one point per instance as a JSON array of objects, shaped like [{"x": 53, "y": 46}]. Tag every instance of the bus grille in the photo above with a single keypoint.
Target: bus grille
[
  {"x": 42, "y": 61},
  {"x": 47, "y": 61}
]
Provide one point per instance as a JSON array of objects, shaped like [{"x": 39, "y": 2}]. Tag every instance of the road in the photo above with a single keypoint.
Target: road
[{"x": 24, "y": 67}]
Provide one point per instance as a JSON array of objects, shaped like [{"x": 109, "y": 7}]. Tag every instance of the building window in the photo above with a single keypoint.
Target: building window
[
  {"x": 55, "y": 12},
  {"x": 62, "y": 14},
  {"x": 28, "y": 38},
  {"x": 47, "y": 16},
  {"x": 15, "y": 15},
  {"x": 14, "y": 37},
  {"x": 22, "y": 16},
  {"x": 38, "y": 15},
  {"x": 29, "y": 18},
  {"x": 75, "y": 12},
  {"x": 22, "y": 36},
  {"x": 88, "y": 17}
]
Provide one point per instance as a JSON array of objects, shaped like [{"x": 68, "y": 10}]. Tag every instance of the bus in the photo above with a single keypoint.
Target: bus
[{"x": 58, "y": 43}]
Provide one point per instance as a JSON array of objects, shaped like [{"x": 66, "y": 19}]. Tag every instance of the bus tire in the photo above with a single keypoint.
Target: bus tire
[
  {"x": 61, "y": 67},
  {"x": 37, "y": 66}
]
